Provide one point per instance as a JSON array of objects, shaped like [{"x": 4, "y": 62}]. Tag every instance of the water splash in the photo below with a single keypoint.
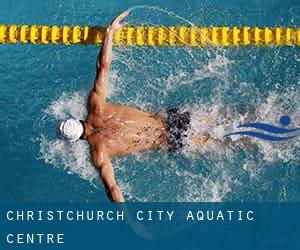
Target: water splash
[
  {"x": 192, "y": 184},
  {"x": 215, "y": 85}
]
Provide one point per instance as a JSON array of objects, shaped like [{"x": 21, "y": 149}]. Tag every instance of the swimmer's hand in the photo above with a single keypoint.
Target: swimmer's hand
[{"x": 115, "y": 24}]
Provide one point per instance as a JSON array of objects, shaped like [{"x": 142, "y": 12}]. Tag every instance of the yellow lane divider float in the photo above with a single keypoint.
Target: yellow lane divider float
[{"x": 152, "y": 36}]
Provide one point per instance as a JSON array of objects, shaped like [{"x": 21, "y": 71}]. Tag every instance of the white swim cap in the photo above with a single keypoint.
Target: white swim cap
[{"x": 70, "y": 130}]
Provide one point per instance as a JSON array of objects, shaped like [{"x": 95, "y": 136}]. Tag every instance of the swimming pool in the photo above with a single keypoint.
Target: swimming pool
[{"x": 42, "y": 84}]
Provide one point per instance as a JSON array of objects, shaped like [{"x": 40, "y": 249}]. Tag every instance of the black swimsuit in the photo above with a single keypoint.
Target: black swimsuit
[{"x": 177, "y": 124}]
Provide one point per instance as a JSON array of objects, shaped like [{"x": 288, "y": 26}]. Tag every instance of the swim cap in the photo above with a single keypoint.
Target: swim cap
[{"x": 70, "y": 129}]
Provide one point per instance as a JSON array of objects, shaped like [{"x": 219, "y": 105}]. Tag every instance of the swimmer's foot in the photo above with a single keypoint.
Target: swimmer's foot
[{"x": 200, "y": 140}]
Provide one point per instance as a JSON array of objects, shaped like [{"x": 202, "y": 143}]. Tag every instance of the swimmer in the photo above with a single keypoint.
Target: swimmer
[{"x": 114, "y": 130}]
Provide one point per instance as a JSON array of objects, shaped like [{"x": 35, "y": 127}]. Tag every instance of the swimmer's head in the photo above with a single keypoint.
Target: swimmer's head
[{"x": 70, "y": 130}]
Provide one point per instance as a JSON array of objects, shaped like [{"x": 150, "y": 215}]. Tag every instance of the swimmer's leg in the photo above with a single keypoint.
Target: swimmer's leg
[{"x": 200, "y": 140}]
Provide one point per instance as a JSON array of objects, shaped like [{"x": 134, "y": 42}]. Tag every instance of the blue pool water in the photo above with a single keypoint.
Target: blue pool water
[{"x": 42, "y": 84}]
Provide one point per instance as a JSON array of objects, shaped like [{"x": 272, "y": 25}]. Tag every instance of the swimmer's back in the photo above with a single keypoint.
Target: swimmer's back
[{"x": 126, "y": 130}]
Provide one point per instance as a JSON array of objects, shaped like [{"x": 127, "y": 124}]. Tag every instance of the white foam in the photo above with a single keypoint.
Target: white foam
[
  {"x": 216, "y": 121},
  {"x": 68, "y": 105},
  {"x": 271, "y": 110},
  {"x": 72, "y": 157}
]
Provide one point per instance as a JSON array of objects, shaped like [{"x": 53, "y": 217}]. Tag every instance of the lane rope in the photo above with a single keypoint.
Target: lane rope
[{"x": 152, "y": 35}]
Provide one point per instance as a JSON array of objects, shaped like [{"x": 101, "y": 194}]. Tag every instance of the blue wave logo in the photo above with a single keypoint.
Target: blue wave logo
[{"x": 279, "y": 133}]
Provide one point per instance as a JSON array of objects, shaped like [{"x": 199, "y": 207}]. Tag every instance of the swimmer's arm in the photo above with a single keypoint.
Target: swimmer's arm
[
  {"x": 103, "y": 164},
  {"x": 105, "y": 56},
  {"x": 102, "y": 65}
]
